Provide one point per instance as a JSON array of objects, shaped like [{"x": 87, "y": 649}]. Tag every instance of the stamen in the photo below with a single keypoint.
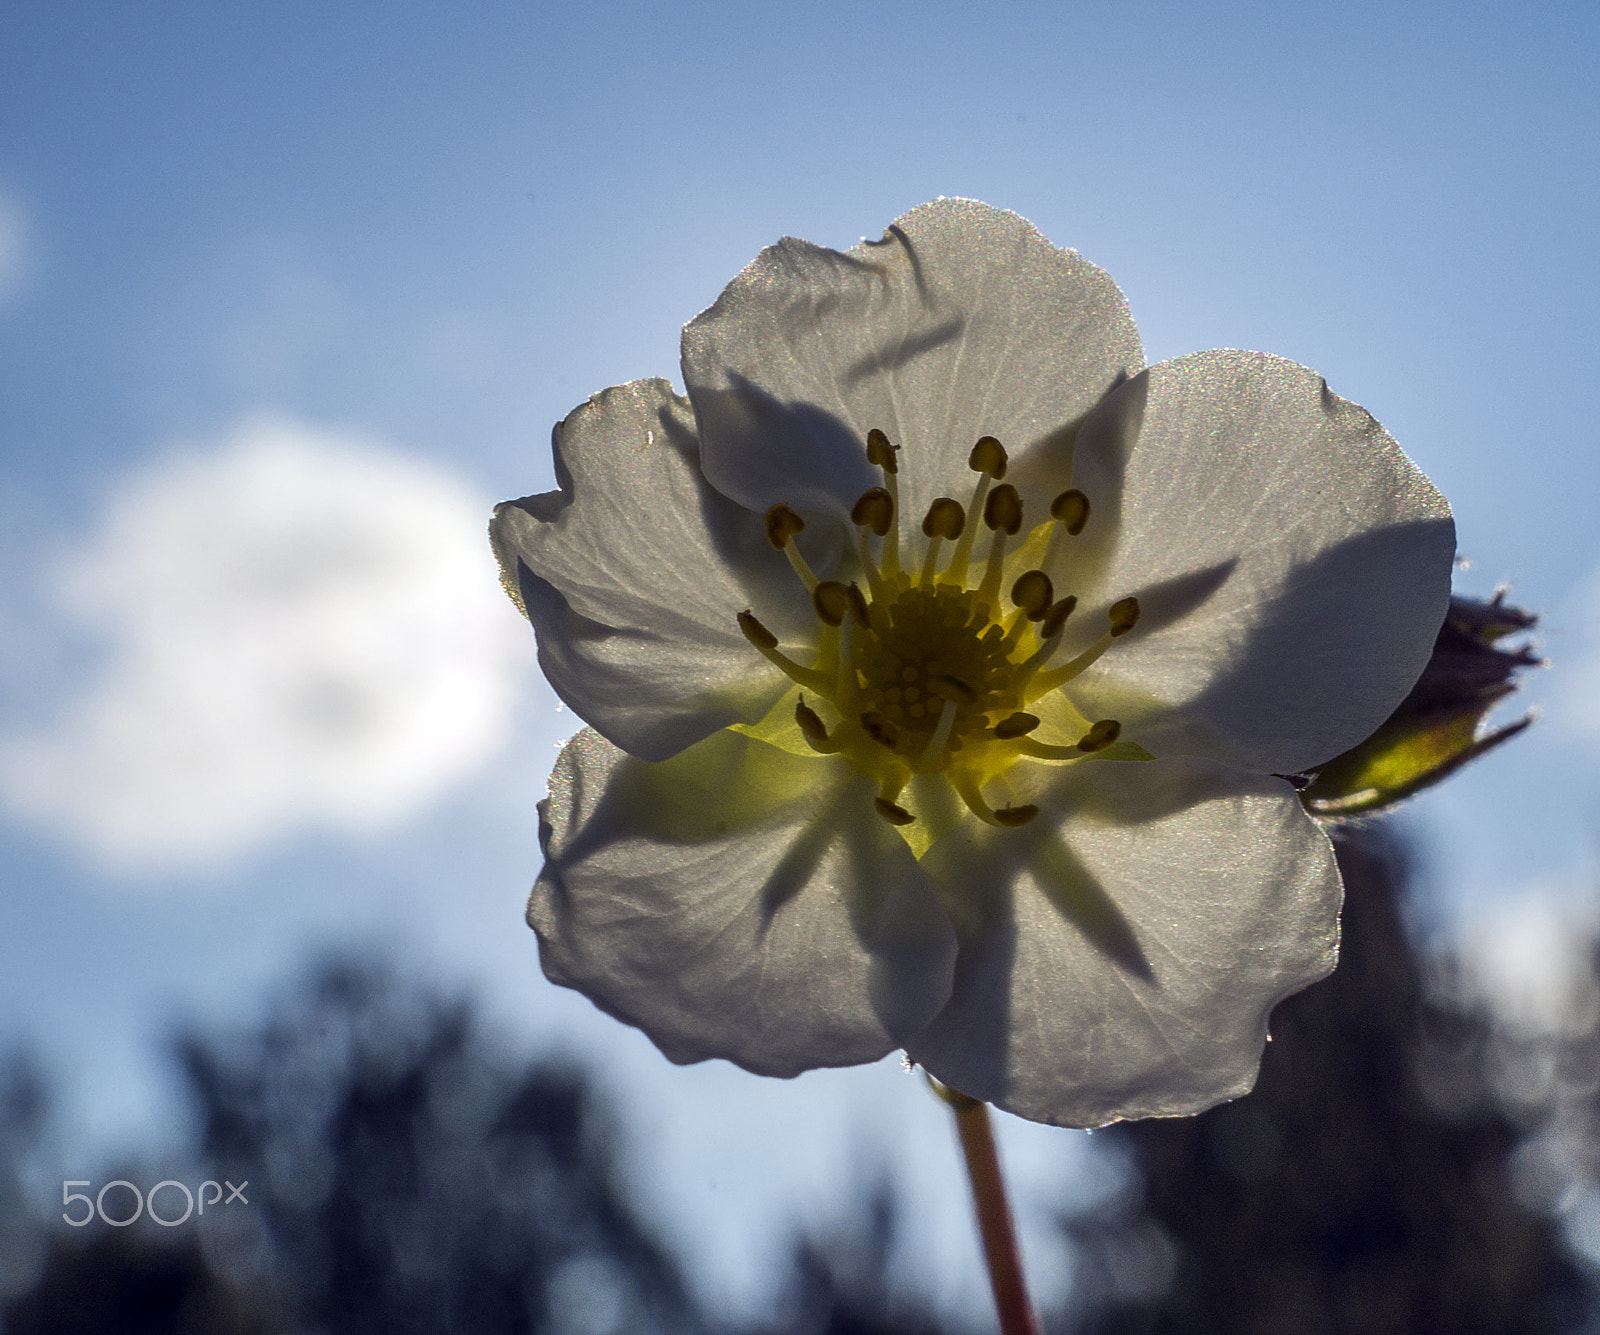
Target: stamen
[
  {"x": 1043, "y": 751},
  {"x": 811, "y": 724},
  {"x": 767, "y": 643},
  {"x": 801, "y": 568},
  {"x": 874, "y": 510},
  {"x": 868, "y": 566},
  {"x": 1100, "y": 736},
  {"x": 951, "y": 688},
  {"x": 988, "y": 456},
  {"x": 831, "y": 601},
  {"x": 1053, "y": 620},
  {"x": 782, "y": 524},
  {"x": 1037, "y": 659},
  {"x": 881, "y": 454},
  {"x": 1002, "y": 512},
  {"x": 944, "y": 522},
  {"x": 966, "y": 785},
  {"x": 879, "y": 729},
  {"x": 1003, "y": 509},
  {"x": 848, "y": 685},
  {"x": 1016, "y": 725},
  {"x": 988, "y": 461},
  {"x": 1123, "y": 616},
  {"x": 891, "y": 812},
  {"x": 858, "y": 605},
  {"x": 1033, "y": 594},
  {"x": 756, "y": 633},
  {"x": 941, "y": 734},
  {"x": 1070, "y": 510}
]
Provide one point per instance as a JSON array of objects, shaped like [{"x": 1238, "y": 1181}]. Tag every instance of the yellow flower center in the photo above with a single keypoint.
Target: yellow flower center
[{"x": 927, "y": 672}]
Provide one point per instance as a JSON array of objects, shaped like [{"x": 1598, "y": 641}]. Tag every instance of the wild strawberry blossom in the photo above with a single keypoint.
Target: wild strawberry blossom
[{"x": 938, "y": 661}]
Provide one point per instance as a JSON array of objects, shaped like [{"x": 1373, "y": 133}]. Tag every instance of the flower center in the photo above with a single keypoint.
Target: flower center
[{"x": 927, "y": 672}]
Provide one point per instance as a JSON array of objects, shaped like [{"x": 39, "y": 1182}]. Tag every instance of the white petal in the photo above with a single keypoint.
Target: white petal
[
  {"x": 1132, "y": 941},
  {"x": 737, "y": 901},
  {"x": 1291, "y": 564},
  {"x": 961, "y": 322},
  {"x": 634, "y": 575}
]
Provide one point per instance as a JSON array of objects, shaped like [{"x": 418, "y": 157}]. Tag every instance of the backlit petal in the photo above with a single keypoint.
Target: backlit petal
[
  {"x": 738, "y": 901},
  {"x": 1127, "y": 947},
  {"x": 1291, "y": 564},
  {"x": 961, "y": 322},
  {"x": 634, "y": 575}
]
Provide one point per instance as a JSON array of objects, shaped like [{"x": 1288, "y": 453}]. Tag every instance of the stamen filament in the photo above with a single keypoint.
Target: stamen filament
[
  {"x": 848, "y": 685},
  {"x": 941, "y": 734},
  {"x": 889, "y": 553},
  {"x": 868, "y": 565},
  {"x": 801, "y": 567},
  {"x": 1052, "y": 548},
  {"x": 989, "y": 590},
  {"x": 1059, "y": 676},
  {"x": 946, "y": 520},
  {"x": 1070, "y": 510},
  {"x": 813, "y": 728},
  {"x": 1040, "y": 751},
  {"x": 966, "y": 786},
  {"x": 765, "y": 641},
  {"x": 961, "y": 557}
]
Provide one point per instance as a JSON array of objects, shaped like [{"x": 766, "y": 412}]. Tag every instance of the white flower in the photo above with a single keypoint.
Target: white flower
[{"x": 984, "y": 768}]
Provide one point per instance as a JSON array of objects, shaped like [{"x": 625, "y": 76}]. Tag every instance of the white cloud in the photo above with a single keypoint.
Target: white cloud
[{"x": 302, "y": 629}]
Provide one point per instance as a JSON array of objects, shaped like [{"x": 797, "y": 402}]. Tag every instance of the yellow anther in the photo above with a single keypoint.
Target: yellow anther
[
  {"x": 1003, "y": 509},
  {"x": 1100, "y": 736},
  {"x": 879, "y": 729},
  {"x": 874, "y": 510},
  {"x": 1051, "y": 623},
  {"x": 891, "y": 812},
  {"x": 831, "y": 601},
  {"x": 1033, "y": 594},
  {"x": 1124, "y": 616},
  {"x": 880, "y": 454},
  {"x": 951, "y": 688},
  {"x": 812, "y": 726},
  {"x": 1016, "y": 725},
  {"x": 1071, "y": 508},
  {"x": 756, "y": 633},
  {"x": 1011, "y": 817},
  {"x": 858, "y": 605},
  {"x": 988, "y": 456},
  {"x": 782, "y": 524},
  {"x": 945, "y": 519}
]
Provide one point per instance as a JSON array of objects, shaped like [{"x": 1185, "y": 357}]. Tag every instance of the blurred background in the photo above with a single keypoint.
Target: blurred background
[{"x": 291, "y": 294}]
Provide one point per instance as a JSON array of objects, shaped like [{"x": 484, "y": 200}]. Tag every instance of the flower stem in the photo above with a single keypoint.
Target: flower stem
[{"x": 995, "y": 1228}]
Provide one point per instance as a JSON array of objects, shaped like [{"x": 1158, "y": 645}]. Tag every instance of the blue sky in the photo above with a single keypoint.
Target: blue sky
[{"x": 416, "y": 235}]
